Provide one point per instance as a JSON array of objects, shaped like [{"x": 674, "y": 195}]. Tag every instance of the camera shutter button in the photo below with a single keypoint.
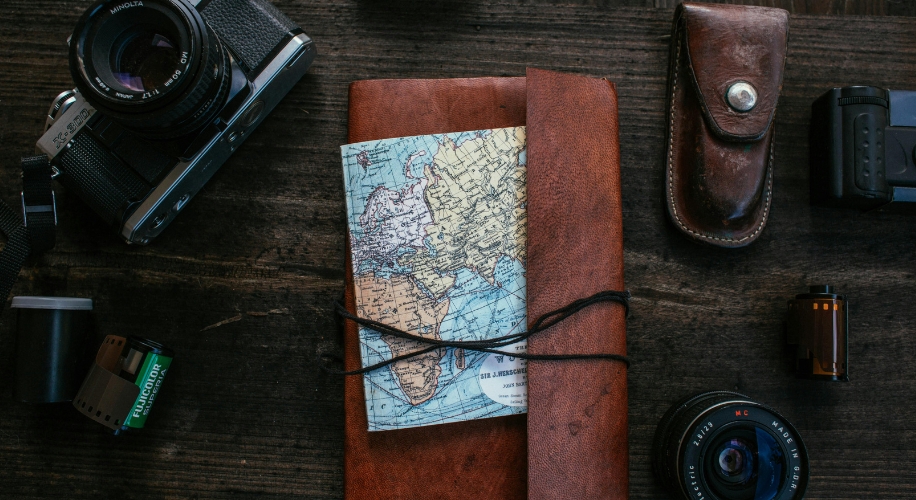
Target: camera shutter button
[{"x": 253, "y": 113}]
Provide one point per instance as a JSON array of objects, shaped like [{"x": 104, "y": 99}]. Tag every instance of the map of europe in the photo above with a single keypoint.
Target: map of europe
[{"x": 437, "y": 237}]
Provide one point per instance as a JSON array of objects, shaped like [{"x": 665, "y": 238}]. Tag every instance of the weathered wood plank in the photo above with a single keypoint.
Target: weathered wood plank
[{"x": 246, "y": 411}]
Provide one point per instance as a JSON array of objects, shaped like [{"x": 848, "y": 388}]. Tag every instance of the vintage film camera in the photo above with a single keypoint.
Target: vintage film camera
[
  {"x": 166, "y": 90},
  {"x": 862, "y": 147}
]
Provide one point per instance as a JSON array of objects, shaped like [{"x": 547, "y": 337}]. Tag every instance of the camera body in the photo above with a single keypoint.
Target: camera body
[
  {"x": 863, "y": 147},
  {"x": 166, "y": 91}
]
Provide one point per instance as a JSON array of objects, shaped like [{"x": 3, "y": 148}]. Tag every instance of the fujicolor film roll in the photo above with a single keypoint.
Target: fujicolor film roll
[
  {"x": 122, "y": 385},
  {"x": 146, "y": 363}
]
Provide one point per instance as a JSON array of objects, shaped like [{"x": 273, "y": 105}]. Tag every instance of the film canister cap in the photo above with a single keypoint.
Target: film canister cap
[{"x": 62, "y": 303}]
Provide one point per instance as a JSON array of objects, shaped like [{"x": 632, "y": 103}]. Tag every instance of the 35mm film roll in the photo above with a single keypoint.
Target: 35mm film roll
[
  {"x": 123, "y": 382},
  {"x": 818, "y": 328}
]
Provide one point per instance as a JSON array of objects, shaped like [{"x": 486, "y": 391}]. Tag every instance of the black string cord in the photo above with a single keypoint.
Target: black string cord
[{"x": 544, "y": 322}]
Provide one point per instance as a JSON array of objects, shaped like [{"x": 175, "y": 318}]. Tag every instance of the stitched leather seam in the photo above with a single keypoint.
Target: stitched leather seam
[{"x": 672, "y": 205}]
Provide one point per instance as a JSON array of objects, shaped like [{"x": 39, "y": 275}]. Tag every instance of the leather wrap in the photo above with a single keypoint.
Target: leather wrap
[
  {"x": 720, "y": 161},
  {"x": 577, "y": 409}
]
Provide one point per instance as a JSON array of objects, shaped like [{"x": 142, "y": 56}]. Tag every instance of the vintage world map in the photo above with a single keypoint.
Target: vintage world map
[{"x": 437, "y": 233}]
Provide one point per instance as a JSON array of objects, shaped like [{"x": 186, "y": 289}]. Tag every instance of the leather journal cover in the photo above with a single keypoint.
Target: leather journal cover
[
  {"x": 577, "y": 409},
  {"x": 488, "y": 458}
]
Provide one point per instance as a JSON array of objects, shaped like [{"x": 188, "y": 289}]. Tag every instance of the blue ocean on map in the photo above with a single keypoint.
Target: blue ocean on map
[{"x": 479, "y": 310}]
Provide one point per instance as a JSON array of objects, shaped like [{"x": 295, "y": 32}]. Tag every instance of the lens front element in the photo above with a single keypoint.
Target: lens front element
[
  {"x": 144, "y": 60},
  {"x": 134, "y": 56},
  {"x": 736, "y": 461}
]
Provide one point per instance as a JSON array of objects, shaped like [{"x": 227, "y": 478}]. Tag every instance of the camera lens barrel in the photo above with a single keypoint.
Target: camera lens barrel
[
  {"x": 154, "y": 66},
  {"x": 721, "y": 445}
]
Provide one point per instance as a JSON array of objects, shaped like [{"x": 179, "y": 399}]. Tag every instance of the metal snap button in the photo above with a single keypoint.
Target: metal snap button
[{"x": 741, "y": 96}]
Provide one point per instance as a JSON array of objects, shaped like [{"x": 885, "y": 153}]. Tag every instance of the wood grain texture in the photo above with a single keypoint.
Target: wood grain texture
[{"x": 246, "y": 412}]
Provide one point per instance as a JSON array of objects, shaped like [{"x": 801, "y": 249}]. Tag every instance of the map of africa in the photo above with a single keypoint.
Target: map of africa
[{"x": 437, "y": 236}]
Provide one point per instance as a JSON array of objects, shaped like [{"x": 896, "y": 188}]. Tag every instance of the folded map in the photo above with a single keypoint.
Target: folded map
[{"x": 437, "y": 228}]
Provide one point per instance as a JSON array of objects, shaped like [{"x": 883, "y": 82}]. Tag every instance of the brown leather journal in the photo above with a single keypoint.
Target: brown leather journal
[{"x": 488, "y": 458}]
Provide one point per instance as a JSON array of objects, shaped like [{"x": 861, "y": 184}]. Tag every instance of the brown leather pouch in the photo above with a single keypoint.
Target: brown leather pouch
[{"x": 724, "y": 80}]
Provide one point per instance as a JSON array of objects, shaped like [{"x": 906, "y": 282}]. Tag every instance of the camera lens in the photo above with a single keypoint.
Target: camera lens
[
  {"x": 144, "y": 60},
  {"x": 723, "y": 446},
  {"x": 155, "y": 66}
]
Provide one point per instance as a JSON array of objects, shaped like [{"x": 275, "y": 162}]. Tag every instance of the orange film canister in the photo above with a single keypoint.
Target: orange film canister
[{"x": 818, "y": 328}]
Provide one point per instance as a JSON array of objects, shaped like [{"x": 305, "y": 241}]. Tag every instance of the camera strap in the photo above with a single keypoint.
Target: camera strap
[{"x": 31, "y": 231}]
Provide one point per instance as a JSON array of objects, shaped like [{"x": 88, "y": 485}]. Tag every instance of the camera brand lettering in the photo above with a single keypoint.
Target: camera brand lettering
[
  {"x": 148, "y": 391},
  {"x": 126, "y": 5},
  {"x": 73, "y": 126}
]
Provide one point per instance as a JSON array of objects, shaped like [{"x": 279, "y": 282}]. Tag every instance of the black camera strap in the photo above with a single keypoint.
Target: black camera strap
[{"x": 31, "y": 231}]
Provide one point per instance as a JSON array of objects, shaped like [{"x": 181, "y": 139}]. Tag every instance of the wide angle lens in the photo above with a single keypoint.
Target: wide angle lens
[
  {"x": 723, "y": 446},
  {"x": 155, "y": 66}
]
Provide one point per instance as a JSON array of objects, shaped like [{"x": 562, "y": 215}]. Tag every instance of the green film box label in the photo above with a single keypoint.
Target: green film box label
[{"x": 149, "y": 379}]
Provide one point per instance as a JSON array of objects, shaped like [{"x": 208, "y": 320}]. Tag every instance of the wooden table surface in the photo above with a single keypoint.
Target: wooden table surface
[{"x": 241, "y": 284}]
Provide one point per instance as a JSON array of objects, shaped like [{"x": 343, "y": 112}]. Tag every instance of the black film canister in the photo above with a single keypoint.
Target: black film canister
[
  {"x": 51, "y": 336},
  {"x": 818, "y": 328}
]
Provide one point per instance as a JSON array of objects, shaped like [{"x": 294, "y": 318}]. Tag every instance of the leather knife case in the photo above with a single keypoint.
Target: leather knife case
[
  {"x": 573, "y": 442},
  {"x": 725, "y": 75}
]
